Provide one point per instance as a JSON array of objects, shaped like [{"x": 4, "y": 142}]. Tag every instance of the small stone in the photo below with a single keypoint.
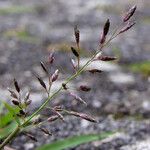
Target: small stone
[
  {"x": 84, "y": 123},
  {"x": 101, "y": 65},
  {"x": 97, "y": 103},
  {"x": 121, "y": 78},
  {"x": 146, "y": 105},
  {"x": 28, "y": 146}
]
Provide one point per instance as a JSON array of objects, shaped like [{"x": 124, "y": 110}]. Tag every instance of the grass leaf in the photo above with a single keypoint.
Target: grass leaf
[
  {"x": 1, "y": 107},
  {"x": 5, "y": 119},
  {"x": 74, "y": 141},
  {"x": 12, "y": 111},
  {"x": 4, "y": 132}
]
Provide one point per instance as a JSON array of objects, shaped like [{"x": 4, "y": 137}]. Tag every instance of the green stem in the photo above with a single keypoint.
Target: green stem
[
  {"x": 78, "y": 62},
  {"x": 46, "y": 101},
  {"x": 10, "y": 137},
  {"x": 67, "y": 80},
  {"x": 54, "y": 94},
  {"x": 16, "y": 131}
]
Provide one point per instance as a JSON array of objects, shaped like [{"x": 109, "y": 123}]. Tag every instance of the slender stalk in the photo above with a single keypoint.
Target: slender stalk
[
  {"x": 10, "y": 137},
  {"x": 50, "y": 84},
  {"x": 16, "y": 131},
  {"x": 49, "y": 98},
  {"x": 78, "y": 62}
]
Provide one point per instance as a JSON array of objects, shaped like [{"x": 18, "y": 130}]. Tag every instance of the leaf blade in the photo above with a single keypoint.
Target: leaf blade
[
  {"x": 74, "y": 141},
  {"x": 12, "y": 111},
  {"x": 4, "y": 132}
]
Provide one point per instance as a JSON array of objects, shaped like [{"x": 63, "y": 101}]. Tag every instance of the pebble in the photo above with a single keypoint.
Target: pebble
[
  {"x": 28, "y": 146},
  {"x": 121, "y": 78},
  {"x": 139, "y": 145}
]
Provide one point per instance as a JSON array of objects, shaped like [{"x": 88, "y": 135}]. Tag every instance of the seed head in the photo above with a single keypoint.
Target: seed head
[
  {"x": 76, "y": 97},
  {"x": 95, "y": 71},
  {"x": 28, "y": 102},
  {"x": 52, "y": 118},
  {"x": 106, "y": 27},
  {"x": 41, "y": 82},
  {"x": 73, "y": 64},
  {"x": 64, "y": 86},
  {"x": 127, "y": 27},
  {"x": 32, "y": 137},
  {"x": 85, "y": 88},
  {"x": 16, "y": 85},
  {"x": 27, "y": 96},
  {"x": 13, "y": 94},
  {"x": 77, "y": 35},
  {"x": 45, "y": 131},
  {"x": 51, "y": 58},
  {"x": 15, "y": 102},
  {"x": 44, "y": 67},
  {"x": 105, "y": 31},
  {"x": 83, "y": 116},
  {"x": 74, "y": 52},
  {"x": 87, "y": 117},
  {"x": 106, "y": 58},
  {"x": 58, "y": 108},
  {"x": 54, "y": 76},
  {"x": 21, "y": 112},
  {"x": 58, "y": 114},
  {"x": 129, "y": 14}
]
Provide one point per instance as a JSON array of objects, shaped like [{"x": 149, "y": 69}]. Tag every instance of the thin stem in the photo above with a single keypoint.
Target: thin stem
[
  {"x": 79, "y": 55},
  {"x": 113, "y": 34},
  {"x": 42, "y": 106},
  {"x": 50, "y": 84},
  {"x": 10, "y": 137},
  {"x": 66, "y": 82},
  {"x": 55, "y": 93},
  {"x": 78, "y": 62},
  {"x": 19, "y": 98},
  {"x": 47, "y": 100}
]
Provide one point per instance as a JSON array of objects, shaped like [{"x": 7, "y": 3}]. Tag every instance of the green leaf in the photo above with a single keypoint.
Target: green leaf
[
  {"x": 5, "y": 119},
  {"x": 4, "y": 132},
  {"x": 1, "y": 107},
  {"x": 12, "y": 111},
  {"x": 74, "y": 141},
  {"x": 9, "y": 128},
  {"x": 141, "y": 67}
]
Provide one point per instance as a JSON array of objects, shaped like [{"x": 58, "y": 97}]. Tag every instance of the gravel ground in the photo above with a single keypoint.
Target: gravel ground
[{"x": 131, "y": 131}]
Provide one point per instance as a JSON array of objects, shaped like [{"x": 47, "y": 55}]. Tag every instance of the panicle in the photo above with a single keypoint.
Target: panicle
[
  {"x": 105, "y": 31},
  {"x": 16, "y": 85},
  {"x": 127, "y": 27},
  {"x": 54, "y": 76},
  {"x": 129, "y": 14},
  {"x": 77, "y": 35},
  {"x": 83, "y": 116}
]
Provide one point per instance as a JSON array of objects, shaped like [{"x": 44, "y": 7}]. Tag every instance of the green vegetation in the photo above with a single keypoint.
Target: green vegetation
[
  {"x": 16, "y": 10},
  {"x": 145, "y": 19},
  {"x": 116, "y": 51},
  {"x": 75, "y": 141},
  {"x": 120, "y": 115},
  {"x": 142, "y": 67},
  {"x": 7, "y": 122},
  {"x": 22, "y": 35},
  {"x": 108, "y": 8}
]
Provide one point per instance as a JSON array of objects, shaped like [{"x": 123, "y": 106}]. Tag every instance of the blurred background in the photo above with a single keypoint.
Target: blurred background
[{"x": 120, "y": 96}]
